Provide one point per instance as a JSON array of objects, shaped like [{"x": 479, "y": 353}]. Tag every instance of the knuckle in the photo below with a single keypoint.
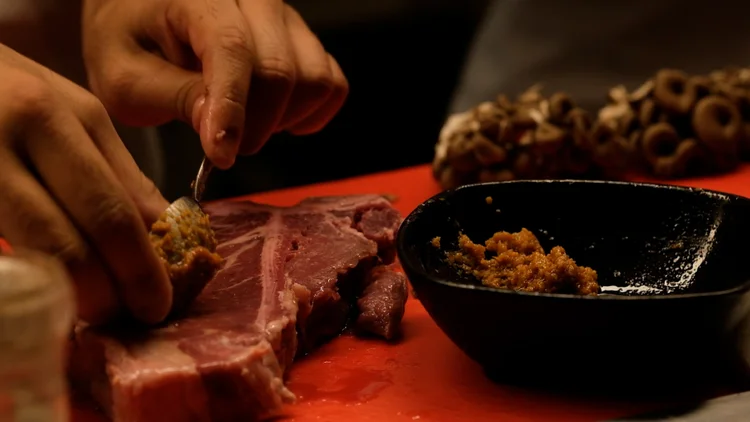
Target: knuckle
[
  {"x": 112, "y": 217},
  {"x": 93, "y": 109},
  {"x": 68, "y": 248},
  {"x": 114, "y": 87},
  {"x": 341, "y": 88},
  {"x": 341, "y": 93},
  {"x": 184, "y": 100},
  {"x": 320, "y": 83},
  {"x": 312, "y": 127},
  {"x": 49, "y": 235},
  {"x": 33, "y": 98},
  {"x": 235, "y": 96},
  {"x": 277, "y": 68},
  {"x": 42, "y": 231},
  {"x": 234, "y": 40}
]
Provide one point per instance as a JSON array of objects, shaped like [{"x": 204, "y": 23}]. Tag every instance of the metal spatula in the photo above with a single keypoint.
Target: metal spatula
[
  {"x": 187, "y": 206},
  {"x": 184, "y": 239}
]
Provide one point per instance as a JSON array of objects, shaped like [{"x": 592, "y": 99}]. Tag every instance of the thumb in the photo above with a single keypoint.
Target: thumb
[
  {"x": 158, "y": 91},
  {"x": 153, "y": 91},
  {"x": 221, "y": 40}
]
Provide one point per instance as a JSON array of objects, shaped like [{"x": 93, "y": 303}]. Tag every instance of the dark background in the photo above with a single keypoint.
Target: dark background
[{"x": 402, "y": 59}]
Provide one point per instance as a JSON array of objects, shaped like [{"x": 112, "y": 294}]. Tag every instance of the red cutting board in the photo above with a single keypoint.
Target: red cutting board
[{"x": 423, "y": 376}]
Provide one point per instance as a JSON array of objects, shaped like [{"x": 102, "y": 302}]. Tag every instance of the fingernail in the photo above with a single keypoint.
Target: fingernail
[
  {"x": 227, "y": 142},
  {"x": 229, "y": 136}
]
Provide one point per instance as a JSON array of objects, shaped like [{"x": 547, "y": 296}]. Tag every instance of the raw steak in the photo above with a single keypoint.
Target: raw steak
[{"x": 290, "y": 274}]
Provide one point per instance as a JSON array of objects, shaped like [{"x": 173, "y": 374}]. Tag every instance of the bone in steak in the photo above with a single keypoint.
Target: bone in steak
[{"x": 291, "y": 276}]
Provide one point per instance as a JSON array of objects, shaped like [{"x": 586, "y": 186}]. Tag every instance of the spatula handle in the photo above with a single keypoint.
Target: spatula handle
[{"x": 200, "y": 180}]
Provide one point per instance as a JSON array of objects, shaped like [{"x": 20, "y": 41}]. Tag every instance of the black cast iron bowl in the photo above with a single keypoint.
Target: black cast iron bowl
[{"x": 686, "y": 249}]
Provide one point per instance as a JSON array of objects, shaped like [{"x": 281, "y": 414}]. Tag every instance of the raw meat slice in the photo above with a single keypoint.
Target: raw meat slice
[
  {"x": 382, "y": 302},
  {"x": 287, "y": 272},
  {"x": 336, "y": 242}
]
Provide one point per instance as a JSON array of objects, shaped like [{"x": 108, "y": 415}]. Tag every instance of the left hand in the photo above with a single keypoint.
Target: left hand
[{"x": 237, "y": 70}]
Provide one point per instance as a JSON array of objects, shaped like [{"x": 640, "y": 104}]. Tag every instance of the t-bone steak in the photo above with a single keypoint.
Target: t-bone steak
[{"x": 292, "y": 278}]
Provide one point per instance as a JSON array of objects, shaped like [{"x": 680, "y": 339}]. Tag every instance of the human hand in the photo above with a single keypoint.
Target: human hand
[
  {"x": 69, "y": 187},
  {"x": 237, "y": 70}
]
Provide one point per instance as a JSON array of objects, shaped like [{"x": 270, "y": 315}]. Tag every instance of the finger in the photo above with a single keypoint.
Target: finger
[
  {"x": 152, "y": 91},
  {"x": 222, "y": 41},
  {"x": 30, "y": 218},
  {"x": 140, "y": 88},
  {"x": 92, "y": 114},
  {"x": 145, "y": 194},
  {"x": 274, "y": 71},
  {"x": 314, "y": 82},
  {"x": 99, "y": 205},
  {"x": 165, "y": 44},
  {"x": 131, "y": 77},
  {"x": 317, "y": 121}
]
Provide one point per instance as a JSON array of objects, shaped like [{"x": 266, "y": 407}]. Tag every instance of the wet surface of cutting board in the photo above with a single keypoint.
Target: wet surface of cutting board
[{"x": 423, "y": 376}]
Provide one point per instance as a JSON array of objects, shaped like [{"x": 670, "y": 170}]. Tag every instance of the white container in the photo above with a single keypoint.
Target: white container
[{"x": 37, "y": 308}]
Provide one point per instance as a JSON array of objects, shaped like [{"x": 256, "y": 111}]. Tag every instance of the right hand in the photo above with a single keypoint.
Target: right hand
[
  {"x": 237, "y": 70},
  {"x": 70, "y": 188}
]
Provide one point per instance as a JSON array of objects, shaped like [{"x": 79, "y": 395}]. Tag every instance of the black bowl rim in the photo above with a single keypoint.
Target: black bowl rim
[{"x": 411, "y": 269}]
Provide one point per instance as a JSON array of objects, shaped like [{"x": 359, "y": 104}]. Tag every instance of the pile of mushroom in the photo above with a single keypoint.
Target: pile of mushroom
[
  {"x": 533, "y": 137},
  {"x": 674, "y": 125},
  {"x": 680, "y": 125}
]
